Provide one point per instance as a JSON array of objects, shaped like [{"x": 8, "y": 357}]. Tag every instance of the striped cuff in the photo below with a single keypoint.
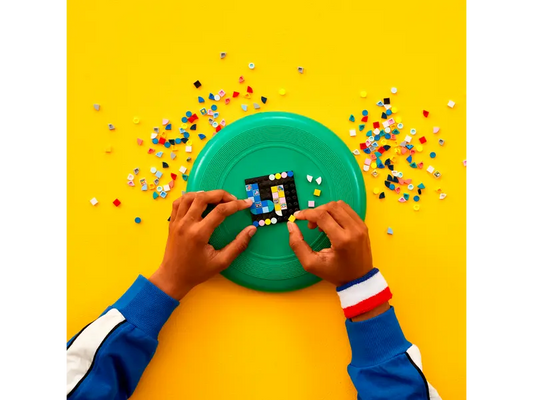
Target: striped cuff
[{"x": 364, "y": 294}]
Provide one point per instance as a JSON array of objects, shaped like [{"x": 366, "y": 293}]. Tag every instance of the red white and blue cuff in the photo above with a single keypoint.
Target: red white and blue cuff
[{"x": 364, "y": 294}]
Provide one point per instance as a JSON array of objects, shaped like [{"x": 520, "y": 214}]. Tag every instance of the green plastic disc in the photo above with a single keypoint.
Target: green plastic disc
[{"x": 264, "y": 144}]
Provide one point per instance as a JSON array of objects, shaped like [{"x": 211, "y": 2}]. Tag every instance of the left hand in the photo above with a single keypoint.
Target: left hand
[{"x": 189, "y": 259}]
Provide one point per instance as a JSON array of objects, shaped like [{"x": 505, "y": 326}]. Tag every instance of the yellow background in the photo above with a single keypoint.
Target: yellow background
[{"x": 139, "y": 58}]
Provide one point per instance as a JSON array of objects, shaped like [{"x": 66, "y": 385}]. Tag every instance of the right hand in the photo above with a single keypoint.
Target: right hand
[{"x": 349, "y": 256}]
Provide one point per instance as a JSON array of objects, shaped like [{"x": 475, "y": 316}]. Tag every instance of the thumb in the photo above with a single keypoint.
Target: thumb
[
  {"x": 303, "y": 251},
  {"x": 231, "y": 251}
]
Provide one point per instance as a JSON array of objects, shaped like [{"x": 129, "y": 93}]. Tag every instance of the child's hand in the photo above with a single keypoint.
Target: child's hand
[
  {"x": 189, "y": 260},
  {"x": 348, "y": 258}
]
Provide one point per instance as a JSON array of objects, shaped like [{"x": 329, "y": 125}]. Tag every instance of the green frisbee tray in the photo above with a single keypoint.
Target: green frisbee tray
[{"x": 268, "y": 143}]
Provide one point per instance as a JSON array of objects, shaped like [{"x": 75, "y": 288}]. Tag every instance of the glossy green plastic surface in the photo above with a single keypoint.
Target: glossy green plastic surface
[{"x": 263, "y": 144}]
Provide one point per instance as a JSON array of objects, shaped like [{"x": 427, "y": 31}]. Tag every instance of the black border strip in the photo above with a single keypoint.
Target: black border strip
[
  {"x": 94, "y": 358},
  {"x": 420, "y": 372}
]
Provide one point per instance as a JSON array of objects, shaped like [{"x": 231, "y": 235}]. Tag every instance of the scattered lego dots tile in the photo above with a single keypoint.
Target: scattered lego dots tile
[
  {"x": 241, "y": 79},
  {"x": 251, "y": 65},
  {"x": 159, "y": 154},
  {"x": 464, "y": 163},
  {"x": 139, "y": 141},
  {"x": 318, "y": 180},
  {"x": 416, "y": 207},
  {"x": 441, "y": 142},
  {"x": 188, "y": 149},
  {"x": 257, "y": 106},
  {"x": 309, "y": 178},
  {"x": 292, "y": 218},
  {"x": 185, "y": 177},
  {"x": 244, "y": 107},
  {"x": 282, "y": 92},
  {"x": 389, "y": 231},
  {"x": 301, "y": 70},
  {"x": 183, "y": 169},
  {"x": 165, "y": 122},
  {"x": 94, "y": 201},
  {"x": 108, "y": 149},
  {"x": 222, "y": 55},
  {"x": 317, "y": 192},
  {"x": 351, "y": 118},
  {"x": 96, "y": 107},
  {"x": 137, "y": 220},
  {"x": 197, "y": 85},
  {"x": 353, "y": 133},
  {"x": 155, "y": 195},
  {"x": 363, "y": 94},
  {"x": 116, "y": 202},
  {"x": 173, "y": 156},
  {"x": 111, "y": 127},
  {"x": 394, "y": 90},
  {"x": 425, "y": 113},
  {"x": 136, "y": 120},
  {"x": 201, "y": 99},
  {"x": 422, "y": 140},
  {"x": 311, "y": 204},
  {"x": 451, "y": 104},
  {"x": 442, "y": 196},
  {"x": 433, "y": 154},
  {"x": 436, "y": 129},
  {"x": 165, "y": 165}
]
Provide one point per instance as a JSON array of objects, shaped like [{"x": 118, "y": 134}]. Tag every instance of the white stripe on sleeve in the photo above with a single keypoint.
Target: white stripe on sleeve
[
  {"x": 414, "y": 353},
  {"x": 80, "y": 354}
]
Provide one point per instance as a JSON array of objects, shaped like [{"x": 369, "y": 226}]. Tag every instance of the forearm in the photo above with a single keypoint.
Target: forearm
[
  {"x": 384, "y": 364},
  {"x": 108, "y": 357}
]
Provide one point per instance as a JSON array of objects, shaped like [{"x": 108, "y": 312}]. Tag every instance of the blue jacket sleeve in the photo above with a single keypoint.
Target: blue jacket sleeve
[
  {"x": 107, "y": 358},
  {"x": 384, "y": 364}
]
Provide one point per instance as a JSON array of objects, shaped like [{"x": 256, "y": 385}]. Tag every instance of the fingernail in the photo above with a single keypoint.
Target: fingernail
[
  {"x": 248, "y": 201},
  {"x": 233, "y": 197},
  {"x": 297, "y": 212},
  {"x": 289, "y": 226},
  {"x": 252, "y": 231}
]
